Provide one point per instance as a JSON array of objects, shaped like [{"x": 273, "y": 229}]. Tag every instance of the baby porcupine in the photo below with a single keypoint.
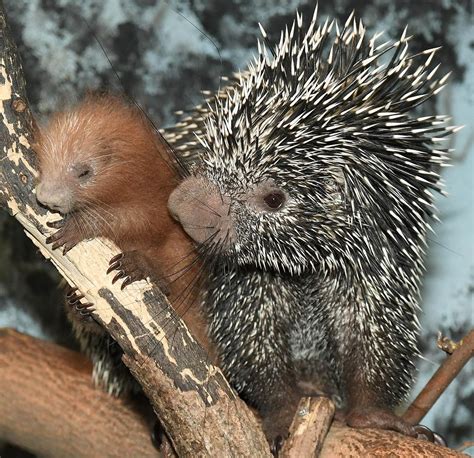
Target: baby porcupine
[
  {"x": 106, "y": 170},
  {"x": 311, "y": 198}
]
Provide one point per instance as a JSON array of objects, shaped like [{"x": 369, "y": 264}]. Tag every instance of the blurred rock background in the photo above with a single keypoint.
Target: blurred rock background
[{"x": 166, "y": 53}]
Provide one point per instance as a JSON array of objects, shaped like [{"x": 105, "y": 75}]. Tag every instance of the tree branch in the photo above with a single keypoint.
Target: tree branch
[
  {"x": 49, "y": 406},
  {"x": 441, "y": 379},
  {"x": 309, "y": 428}
]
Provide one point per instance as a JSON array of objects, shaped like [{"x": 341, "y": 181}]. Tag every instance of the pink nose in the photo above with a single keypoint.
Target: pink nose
[
  {"x": 202, "y": 211},
  {"x": 54, "y": 197}
]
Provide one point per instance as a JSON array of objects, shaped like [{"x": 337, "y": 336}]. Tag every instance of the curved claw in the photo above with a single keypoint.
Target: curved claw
[
  {"x": 54, "y": 245},
  {"x": 116, "y": 258},
  {"x": 74, "y": 299},
  {"x": 67, "y": 247},
  {"x": 126, "y": 282},
  {"x": 439, "y": 440},
  {"x": 85, "y": 305},
  {"x": 56, "y": 224},
  {"x": 84, "y": 310},
  {"x": 423, "y": 432},
  {"x": 113, "y": 265},
  {"x": 71, "y": 292},
  {"x": 276, "y": 445},
  {"x": 118, "y": 277}
]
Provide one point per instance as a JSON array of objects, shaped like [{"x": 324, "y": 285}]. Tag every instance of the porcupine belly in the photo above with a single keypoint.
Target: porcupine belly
[
  {"x": 313, "y": 342},
  {"x": 252, "y": 331}
]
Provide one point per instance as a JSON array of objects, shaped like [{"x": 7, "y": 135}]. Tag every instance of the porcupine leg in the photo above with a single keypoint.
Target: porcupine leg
[
  {"x": 377, "y": 362},
  {"x": 366, "y": 411}
]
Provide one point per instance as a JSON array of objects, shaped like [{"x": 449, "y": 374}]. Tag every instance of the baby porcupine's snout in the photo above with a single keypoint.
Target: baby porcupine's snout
[
  {"x": 203, "y": 212},
  {"x": 55, "y": 197}
]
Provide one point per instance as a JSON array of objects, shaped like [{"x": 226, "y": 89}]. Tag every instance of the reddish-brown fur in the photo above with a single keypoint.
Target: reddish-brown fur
[{"x": 123, "y": 197}]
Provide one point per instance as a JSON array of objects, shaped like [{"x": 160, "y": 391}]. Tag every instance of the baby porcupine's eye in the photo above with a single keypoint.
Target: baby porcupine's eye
[
  {"x": 274, "y": 200},
  {"x": 83, "y": 172}
]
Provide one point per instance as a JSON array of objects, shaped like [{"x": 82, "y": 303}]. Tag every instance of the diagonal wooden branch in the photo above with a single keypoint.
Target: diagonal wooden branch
[
  {"x": 200, "y": 412},
  {"x": 446, "y": 373}
]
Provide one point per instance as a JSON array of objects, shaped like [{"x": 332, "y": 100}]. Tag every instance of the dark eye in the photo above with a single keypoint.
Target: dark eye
[
  {"x": 274, "y": 200},
  {"x": 83, "y": 171}
]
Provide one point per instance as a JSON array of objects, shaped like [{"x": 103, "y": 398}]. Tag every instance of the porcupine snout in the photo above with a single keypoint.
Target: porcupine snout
[
  {"x": 54, "y": 197},
  {"x": 203, "y": 212}
]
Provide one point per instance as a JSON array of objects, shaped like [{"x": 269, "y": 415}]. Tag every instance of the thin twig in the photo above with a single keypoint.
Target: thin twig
[{"x": 445, "y": 374}]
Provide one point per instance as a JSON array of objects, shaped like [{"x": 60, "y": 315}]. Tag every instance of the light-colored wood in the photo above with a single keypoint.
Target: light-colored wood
[{"x": 309, "y": 428}]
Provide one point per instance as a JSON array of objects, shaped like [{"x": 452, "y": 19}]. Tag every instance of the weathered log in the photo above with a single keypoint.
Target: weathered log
[{"x": 200, "y": 412}]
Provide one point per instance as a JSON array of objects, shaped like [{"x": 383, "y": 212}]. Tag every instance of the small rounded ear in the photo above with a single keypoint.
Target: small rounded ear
[{"x": 335, "y": 184}]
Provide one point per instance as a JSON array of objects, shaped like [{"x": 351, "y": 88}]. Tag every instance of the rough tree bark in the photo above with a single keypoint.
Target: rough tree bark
[
  {"x": 49, "y": 406},
  {"x": 200, "y": 412}
]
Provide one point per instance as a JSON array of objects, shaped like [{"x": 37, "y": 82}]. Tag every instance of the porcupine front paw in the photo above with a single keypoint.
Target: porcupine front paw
[
  {"x": 67, "y": 236},
  {"x": 131, "y": 266}
]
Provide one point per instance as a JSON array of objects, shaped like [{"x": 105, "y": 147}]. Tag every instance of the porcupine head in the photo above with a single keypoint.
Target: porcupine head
[
  {"x": 89, "y": 155},
  {"x": 311, "y": 161}
]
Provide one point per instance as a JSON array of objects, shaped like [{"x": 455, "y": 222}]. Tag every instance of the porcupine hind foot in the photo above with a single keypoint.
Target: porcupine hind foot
[
  {"x": 133, "y": 266},
  {"x": 378, "y": 418},
  {"x": 80, "y": 312}
]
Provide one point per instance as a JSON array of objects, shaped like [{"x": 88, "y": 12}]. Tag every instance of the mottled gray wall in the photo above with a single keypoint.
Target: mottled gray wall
[{"x": 167, "y": 52}]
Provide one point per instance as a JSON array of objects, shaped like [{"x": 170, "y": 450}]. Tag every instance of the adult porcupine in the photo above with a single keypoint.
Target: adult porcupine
[{"x": 312, "y": 198}]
